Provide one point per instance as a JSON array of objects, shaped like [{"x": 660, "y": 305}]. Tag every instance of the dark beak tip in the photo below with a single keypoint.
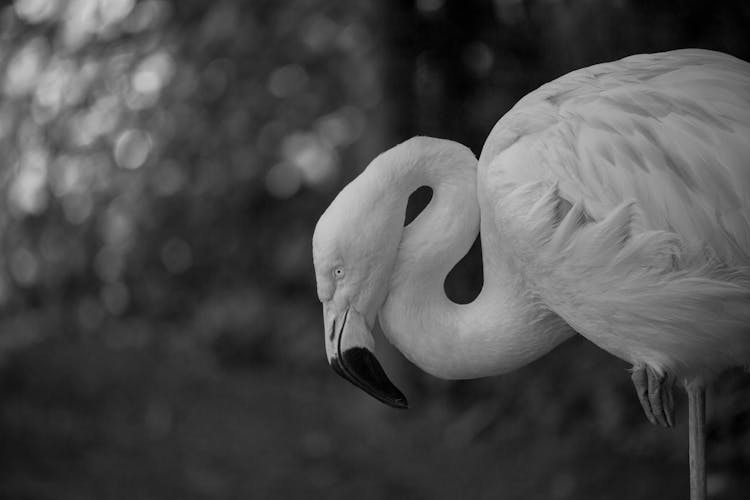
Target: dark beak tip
[
  {"x": 397, "y": 400},
  {"x": 360, "y": 367},
  {"x": 336, "y": 366},
  {"x": 401, "y": 404}
]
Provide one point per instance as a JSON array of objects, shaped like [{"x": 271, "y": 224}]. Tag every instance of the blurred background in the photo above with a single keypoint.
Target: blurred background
[{"x": 163, "y": 166}]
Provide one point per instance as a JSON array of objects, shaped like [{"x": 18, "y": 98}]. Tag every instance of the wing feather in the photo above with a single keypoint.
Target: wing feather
[
  {"x": 670, "y": 131},
  {"x": 651, "y": 156}
]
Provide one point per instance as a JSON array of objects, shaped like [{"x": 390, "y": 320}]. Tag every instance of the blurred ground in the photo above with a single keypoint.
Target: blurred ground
[
  {"x": 164, "y": 163},
  {"x": 173, "y": 425},
  {"x": 85, "y": 420}
]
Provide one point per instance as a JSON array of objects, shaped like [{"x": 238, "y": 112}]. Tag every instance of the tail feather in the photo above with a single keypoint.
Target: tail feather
[{"x": 644, "y": 295}]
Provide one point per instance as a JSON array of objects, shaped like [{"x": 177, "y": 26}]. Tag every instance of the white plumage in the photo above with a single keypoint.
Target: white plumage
[
  {"x": 657, "y": 148},
  {"x": 613, "y": 202}
]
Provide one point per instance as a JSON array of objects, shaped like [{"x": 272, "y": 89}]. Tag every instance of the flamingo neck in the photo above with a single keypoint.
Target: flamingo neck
[{"x": 503, "y": 328}]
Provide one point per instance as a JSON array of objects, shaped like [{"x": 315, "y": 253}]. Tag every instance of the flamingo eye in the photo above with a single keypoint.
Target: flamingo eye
[{"x": 338, "y": 272}]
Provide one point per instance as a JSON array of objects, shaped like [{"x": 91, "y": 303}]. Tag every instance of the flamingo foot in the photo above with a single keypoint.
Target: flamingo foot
[{"x": 655, "y": 394}]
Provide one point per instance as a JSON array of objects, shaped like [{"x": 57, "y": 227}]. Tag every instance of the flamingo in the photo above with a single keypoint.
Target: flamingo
[{"x": 613, "y": 202}]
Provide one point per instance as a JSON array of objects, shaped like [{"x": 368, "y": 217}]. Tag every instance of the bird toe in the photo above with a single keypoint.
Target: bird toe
[
  {"x": 655, "y": 393},
  {"x": 640, "y": 381}
]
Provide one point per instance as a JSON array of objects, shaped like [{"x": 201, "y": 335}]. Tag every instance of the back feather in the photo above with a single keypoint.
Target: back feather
[{"x": 643, "y": 295}]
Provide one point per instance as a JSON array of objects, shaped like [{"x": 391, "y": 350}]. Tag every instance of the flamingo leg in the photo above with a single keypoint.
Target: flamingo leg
[
  {"x": 654, "y": 391},
  {"x": 697, "y": 439}
]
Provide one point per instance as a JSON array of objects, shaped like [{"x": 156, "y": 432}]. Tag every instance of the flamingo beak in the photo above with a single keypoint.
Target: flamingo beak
[{"x": 350, "y": 346}]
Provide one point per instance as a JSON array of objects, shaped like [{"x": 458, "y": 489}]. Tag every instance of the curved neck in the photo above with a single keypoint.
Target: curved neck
[{"x": 503, "y": 328}]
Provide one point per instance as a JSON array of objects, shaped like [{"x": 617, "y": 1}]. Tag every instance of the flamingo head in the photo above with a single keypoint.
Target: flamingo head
[{"x": 354, "y": 252}]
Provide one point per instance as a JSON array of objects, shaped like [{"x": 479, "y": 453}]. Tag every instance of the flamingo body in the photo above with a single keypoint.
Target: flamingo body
[
  {"x": 654, "y": 150},
  {"x": 613, "y": 202}
]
